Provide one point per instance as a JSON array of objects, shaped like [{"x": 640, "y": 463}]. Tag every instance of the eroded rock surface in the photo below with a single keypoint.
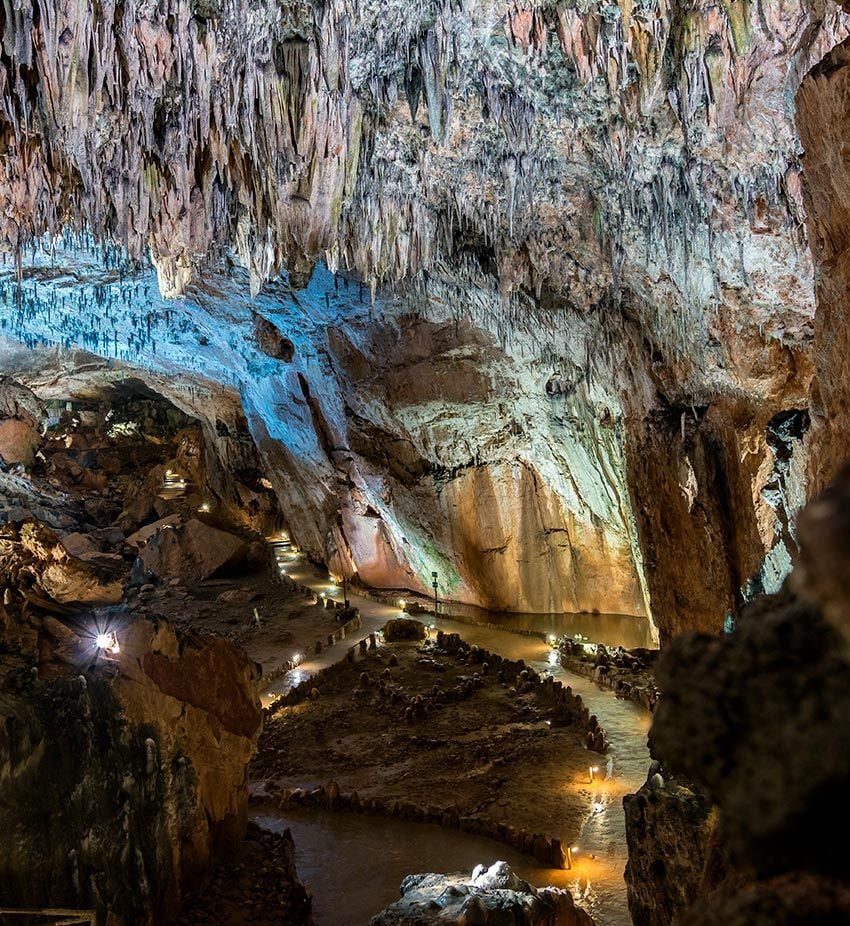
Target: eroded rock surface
[
  {"x": 490, "y": 896},
  {"x": 569, "y": 220},
  {"x": 757, "y": 720},
  {"x": 124, "y": 780}
]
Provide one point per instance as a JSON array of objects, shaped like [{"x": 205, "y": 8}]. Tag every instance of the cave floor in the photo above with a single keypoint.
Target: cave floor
[{"x": 272, "y": 626}]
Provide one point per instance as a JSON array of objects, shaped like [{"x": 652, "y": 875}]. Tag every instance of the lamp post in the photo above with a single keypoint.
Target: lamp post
[
  {"x": 434, "y": 583},
  {"x": 344, "y": 590}
]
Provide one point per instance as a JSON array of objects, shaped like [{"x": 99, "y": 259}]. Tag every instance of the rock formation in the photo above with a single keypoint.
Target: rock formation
[
  {"x": 21, "y": 415},
  {"x": 756, "y": 719},
  {"x": 190, "y": 551},
  {"x": 124, "y": 780},
  {"x": 823, "y": 111},
  {"x": 491, "y": 896},
  {"x": 586, "y": 293}
]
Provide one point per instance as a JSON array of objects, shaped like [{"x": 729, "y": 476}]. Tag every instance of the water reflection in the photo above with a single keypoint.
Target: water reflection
[
  {"x": 610, "y": 629},
  {"x": 597, "y": 875},
  {"x": 355, "y": 864}
]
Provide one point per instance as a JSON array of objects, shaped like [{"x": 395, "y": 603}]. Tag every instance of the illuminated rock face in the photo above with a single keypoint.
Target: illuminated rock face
[
  {"x": 124, "y": 785},
  {"x": 823, "y": 115},
  {"x": 21, "y": 415},
  {"x": 581, "y": 224}
]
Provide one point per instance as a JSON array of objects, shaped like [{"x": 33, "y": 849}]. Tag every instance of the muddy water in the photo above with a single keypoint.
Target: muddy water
[
  {"x": 355, "y": 864},
  {"x": 610, "y": 629},
  {"x": 597, "y": 874},
  {"x": 336, "y": 841}
]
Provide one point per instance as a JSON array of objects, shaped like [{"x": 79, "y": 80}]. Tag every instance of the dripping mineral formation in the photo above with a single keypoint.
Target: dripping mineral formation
[{"x": 382, "y": 385}]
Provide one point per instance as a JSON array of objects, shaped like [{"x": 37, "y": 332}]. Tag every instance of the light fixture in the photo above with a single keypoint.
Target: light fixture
[
  {"x": 107, "y": 642},
  {"x": 402, "y": 604},
  {"x": 205, "y": 507}
]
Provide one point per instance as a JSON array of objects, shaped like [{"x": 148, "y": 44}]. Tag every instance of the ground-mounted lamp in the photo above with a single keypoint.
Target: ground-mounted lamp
[
  {"x": 593, "y": 769},
  {"x": 402, "y": 605}
]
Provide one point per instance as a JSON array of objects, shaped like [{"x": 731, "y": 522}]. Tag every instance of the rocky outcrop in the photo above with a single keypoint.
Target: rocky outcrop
[
  {"x": 41, "y": 567},
  {"x": 490, "y": 896},
  {"x": 190, "y": 551},
  {"x": 124, "y": 780},
  {"x": 823, "y": 117},
  {"x": 21, "y": 417},
  {"x": 747, "y": 716},
  {"x": 693, "y": 489},
  {"x": 669, "y": 831}
]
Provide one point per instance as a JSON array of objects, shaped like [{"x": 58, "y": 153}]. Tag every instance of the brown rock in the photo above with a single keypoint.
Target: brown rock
[{"x": 192, "y": 551}]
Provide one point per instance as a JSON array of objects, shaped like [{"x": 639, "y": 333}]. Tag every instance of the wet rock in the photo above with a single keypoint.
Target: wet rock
[{"x": 490, "y": 897}]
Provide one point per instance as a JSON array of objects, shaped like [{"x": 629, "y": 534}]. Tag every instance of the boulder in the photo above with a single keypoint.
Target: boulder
[
  {"x": 193, "y": 551},
  {"x": 490, "y": 897},
  {"x": 404, "y": 628},
  {"x": 21, "y": 417}
]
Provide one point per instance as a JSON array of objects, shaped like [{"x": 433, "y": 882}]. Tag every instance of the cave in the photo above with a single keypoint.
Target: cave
[{"x": 424, "y": 462}]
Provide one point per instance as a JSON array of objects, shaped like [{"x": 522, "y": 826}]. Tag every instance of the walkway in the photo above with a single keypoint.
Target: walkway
[{"x": 596, "y": 878}]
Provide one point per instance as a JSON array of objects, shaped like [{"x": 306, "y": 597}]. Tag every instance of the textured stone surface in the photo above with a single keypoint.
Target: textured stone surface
[
  {"x": 191, "y": 551},
  {"x": 669, "y": 830},
  {"x": 120, "y": 791},
  {"x": 567, "y": 218},
  {"x": 780, "y": 686},
  {"x": 823, "y": 117},
  {"x": 21, "y": 415},
  {"x": 491, "y": 896},
  {"x": 36, "y": 562},
  {"x": 793, "y": 899},
  {"x": 757, "y": 719}
]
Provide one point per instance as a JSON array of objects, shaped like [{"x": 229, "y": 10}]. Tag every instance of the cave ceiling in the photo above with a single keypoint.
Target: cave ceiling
[{"x": 452, "y": 213}]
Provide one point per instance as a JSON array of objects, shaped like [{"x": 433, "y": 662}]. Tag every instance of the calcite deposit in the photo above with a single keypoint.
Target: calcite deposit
[
  {"x": 489, "y": 896},
  {"x": 587, "y": 291},
  {"x": 530, "y": 305}
]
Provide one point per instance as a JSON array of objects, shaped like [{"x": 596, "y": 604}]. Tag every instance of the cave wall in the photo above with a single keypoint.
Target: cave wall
[
  {"x": 696, "y": 516},
  {"x": 823, "y": 117},
  {"x": 122, "y": 784},
  {"x": 607, "y": 198}
]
